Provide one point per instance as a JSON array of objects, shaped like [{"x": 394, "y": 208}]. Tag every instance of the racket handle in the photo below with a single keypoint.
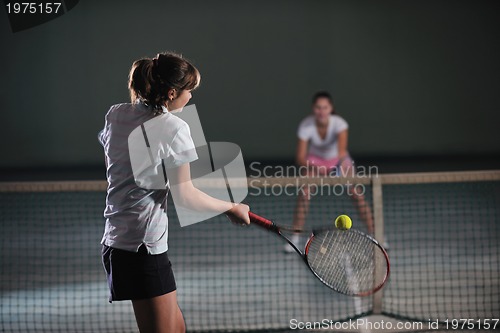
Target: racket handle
[{"x": 262, "y": 222}]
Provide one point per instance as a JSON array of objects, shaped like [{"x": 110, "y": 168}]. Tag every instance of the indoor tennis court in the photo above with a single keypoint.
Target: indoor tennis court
[{"x": 395, "y": 99}]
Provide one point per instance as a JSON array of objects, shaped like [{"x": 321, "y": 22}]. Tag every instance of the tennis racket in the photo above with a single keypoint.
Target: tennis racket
[{"x": 349, "y": 262}]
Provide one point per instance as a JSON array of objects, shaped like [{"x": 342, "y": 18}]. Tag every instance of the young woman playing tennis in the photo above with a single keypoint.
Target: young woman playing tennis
[
  {"x": 135, "y": 238},
  {"x": 322, "y": 149}
]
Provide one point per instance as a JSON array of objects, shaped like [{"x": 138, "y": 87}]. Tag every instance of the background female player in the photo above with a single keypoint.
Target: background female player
[
  {"x": 135, "y": 237},
  {"x": 322, "y": 149}
]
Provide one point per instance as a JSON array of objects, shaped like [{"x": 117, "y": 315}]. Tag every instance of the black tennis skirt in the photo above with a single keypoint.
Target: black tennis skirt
[{"x": 137, "y": 275}]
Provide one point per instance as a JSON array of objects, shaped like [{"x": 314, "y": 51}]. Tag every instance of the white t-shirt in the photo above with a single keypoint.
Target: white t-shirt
[
  {"x": 327, "y": 148},
  {"x": 136, "y": 215}
]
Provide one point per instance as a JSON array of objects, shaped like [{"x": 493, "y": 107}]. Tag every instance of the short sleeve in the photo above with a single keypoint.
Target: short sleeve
[
  {"x": 340, "y": 124},
  {"x": 100, "y": 137},
  {"x": 303, "y": 131},
  {"x": 182, "y": 149}
]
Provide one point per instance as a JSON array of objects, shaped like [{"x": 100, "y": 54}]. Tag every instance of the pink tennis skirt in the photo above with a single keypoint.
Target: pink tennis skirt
[{"x": 326, "y": 166}]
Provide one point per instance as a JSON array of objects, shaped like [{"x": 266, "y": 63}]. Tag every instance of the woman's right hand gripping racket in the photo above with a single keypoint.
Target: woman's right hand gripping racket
[{"x": 349, "y": 262}]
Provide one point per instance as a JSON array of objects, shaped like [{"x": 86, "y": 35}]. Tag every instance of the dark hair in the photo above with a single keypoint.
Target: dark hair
[
  {"x": 324, "y": 94},
  {"x": 150, "y": 79}
]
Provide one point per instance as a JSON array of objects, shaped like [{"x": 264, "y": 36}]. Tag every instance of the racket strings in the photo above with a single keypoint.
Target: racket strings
[
  {"x": 347, "y": 261},
  {"x": 322, "y": 261}
]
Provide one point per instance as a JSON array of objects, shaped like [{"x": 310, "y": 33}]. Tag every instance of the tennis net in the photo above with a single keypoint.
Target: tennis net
[{"x": 442, "y": 229}]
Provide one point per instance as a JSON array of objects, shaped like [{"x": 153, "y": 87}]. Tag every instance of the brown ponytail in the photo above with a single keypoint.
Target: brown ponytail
[{"x": 150, "y": 79}]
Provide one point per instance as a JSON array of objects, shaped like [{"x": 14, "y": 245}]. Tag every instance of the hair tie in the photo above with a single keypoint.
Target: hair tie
[{"x": 155, "y": 62}]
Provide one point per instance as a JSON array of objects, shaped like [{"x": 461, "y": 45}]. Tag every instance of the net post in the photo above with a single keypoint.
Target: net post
[{"x": 378, "y": 229}]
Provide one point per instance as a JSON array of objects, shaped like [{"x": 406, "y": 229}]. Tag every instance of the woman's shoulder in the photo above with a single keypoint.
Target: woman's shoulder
[
  {"x": 339, "y": 123},
  {"x": 307, "y": 121},
  {"x": 168, "y": 124},
  {"x": 120, "y": 107},
  {"x": 172, "y": 120},
  {"x": 336, "y": 117}
]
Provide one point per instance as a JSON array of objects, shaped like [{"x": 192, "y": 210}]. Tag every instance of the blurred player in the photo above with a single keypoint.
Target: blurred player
[
  {"x": 322, "y": 149},
  {"x": 135, "y": 238}
]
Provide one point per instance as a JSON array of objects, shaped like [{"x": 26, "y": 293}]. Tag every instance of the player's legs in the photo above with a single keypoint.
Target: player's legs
[
  {"x": 347, "y": 168},
  {"x": 364, "y": 210},
  {"x": 300, "y": 212},
  {"x": 299, "y": 216},
  {"x": 321, "y": 167},
  {"x": 159, "y": 314},
  {"x": 301, "y": 208}
]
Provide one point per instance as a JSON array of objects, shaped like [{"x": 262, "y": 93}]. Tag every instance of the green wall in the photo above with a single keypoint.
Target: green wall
[{"x": 411, "y": 77}]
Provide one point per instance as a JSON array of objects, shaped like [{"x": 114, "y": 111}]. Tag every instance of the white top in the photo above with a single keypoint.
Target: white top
[
  {"x": 136, "y": 215},
  {"x": 327, "y": 148}
]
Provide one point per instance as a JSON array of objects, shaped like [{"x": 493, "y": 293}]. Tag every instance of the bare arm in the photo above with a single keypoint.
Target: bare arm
[
  {"x": 192, "y": 198},
  {"x": 342, "y": 143}
]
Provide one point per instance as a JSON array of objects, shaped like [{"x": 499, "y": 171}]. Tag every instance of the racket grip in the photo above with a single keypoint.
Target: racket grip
[{"x": 262, "y": 222}]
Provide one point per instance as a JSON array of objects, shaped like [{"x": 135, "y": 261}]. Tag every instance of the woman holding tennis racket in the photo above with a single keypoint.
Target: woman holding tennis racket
[
  {"x": 135, "y": 238},
  {"x": 322, "y": 149}
]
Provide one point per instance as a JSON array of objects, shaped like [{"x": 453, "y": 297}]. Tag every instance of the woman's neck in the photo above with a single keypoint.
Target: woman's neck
[{"x": 322, "y": 123}]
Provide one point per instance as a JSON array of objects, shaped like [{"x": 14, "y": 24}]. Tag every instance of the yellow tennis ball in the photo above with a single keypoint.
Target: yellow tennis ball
[{"x": 343, "y": 222}]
